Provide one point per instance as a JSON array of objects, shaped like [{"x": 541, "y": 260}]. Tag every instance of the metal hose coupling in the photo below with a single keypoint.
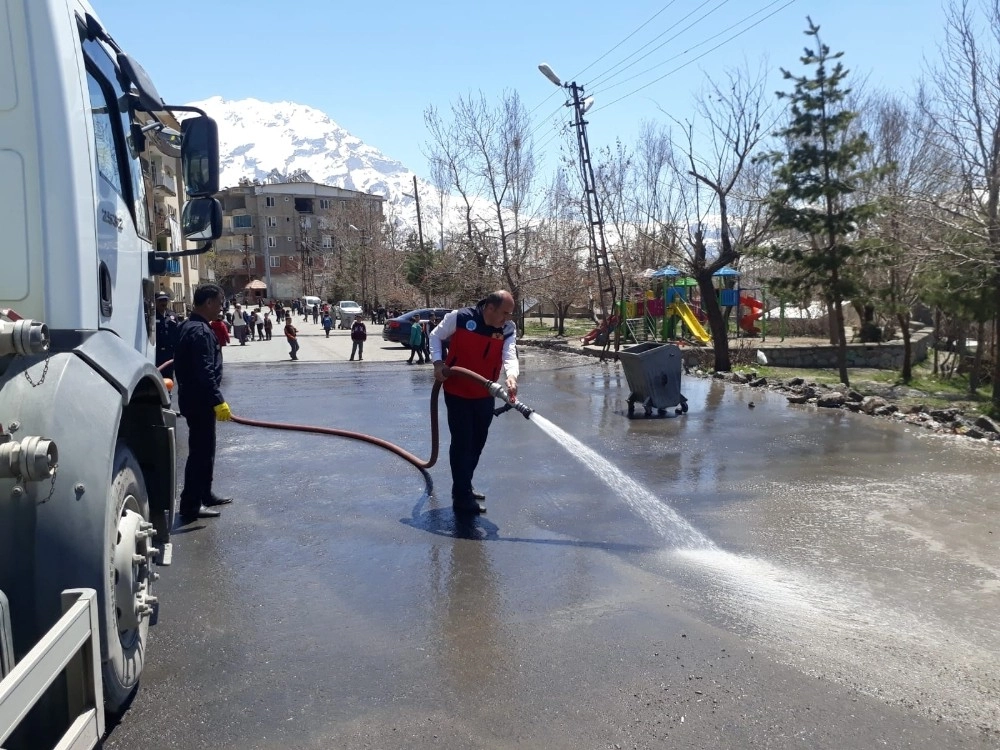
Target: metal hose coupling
[
  {"x": 498, "y": 391},
  {"x": 23, "y": 336}
]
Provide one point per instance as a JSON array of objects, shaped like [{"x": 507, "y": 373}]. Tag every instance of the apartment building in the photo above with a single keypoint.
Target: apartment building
[
  {"x": 291, "y": 235},
  {"x": 161, "y": 166}
]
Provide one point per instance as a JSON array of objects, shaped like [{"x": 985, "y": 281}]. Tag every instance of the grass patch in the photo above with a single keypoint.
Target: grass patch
[{"x": 574, "y": 328}]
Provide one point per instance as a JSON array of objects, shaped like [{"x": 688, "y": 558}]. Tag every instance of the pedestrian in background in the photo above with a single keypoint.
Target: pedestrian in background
[
  {"x": 239, "y": 326},
  {"x": 358, "y": 336},
  {"x": 220, "y": 329},
  {"x": 416, "y": 341},
  {"x": 166, "y": 333},
  {"x": 198, "y": 364},
  {"x": 315, "y": 313},
  {"x": 428, "y": 326},
  {"x": 483, "y": 340},
  {"x": 268, "y": 326},
  {"x": 291, "y": 336},
  {"x": 260, "y": 324},
  {"x": 327, "y": 323}
]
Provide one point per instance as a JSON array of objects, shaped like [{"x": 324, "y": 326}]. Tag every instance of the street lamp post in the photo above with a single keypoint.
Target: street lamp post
[{"x": 595, "y": 224}]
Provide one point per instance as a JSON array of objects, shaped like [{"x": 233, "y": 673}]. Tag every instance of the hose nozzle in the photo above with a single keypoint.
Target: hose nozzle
[{"x": 498, "y": 391}]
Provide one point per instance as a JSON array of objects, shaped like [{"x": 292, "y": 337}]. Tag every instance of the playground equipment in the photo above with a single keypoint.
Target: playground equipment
[
  {"x": 653, "y": 372},
  {"x": 599, "y": 335},
  {"x": 683, "y": 310},
  {"x": 755, "y": 312}
]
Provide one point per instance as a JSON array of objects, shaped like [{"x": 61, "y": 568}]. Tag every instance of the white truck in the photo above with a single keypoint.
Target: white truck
[{"x": 87, "y": 452}]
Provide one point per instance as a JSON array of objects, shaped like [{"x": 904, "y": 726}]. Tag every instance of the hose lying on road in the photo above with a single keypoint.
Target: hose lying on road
[{"x": 495, "y": 389}]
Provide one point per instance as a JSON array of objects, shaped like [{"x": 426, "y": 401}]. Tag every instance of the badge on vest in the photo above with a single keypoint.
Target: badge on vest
[{"x": 470, "y": 325}]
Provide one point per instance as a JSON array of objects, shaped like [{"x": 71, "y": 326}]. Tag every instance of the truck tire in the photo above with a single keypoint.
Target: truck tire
[{"x": 127, "y": 581}]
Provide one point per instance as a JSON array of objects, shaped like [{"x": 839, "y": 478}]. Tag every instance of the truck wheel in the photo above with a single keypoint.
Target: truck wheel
[{"x": 127, "y": 588}]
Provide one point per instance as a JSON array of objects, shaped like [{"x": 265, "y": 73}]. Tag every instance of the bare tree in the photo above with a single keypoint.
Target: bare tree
[
  {"x": 727, "y": 192},
  {"x": 963, "y": 103}
]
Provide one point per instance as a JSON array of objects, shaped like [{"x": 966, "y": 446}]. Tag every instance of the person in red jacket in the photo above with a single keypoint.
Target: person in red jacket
[
  {"x": 220, "y": 329},
  {"x": 482, "y": 339}
]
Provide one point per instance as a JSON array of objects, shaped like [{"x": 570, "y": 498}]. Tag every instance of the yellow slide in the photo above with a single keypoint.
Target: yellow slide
[{"x": 682, "y": 310}]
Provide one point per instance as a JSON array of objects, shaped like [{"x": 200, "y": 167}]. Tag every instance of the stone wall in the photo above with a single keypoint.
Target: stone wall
[{"x": 883, "y": 356}]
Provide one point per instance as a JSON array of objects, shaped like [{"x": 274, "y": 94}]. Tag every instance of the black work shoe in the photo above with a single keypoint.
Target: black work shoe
[
  {"x": 478, "y": 495},
  {"x": 216, "y": 500},
  {"x": 469, "y": 506},
  {"x": 202, "y": 512}
]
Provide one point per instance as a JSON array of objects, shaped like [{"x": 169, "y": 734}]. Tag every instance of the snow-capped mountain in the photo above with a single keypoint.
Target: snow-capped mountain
[{"x": 258, "y": 140}]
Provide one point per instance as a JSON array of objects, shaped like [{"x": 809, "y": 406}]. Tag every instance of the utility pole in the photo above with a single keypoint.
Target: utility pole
[
  {"x": 595, "y": 223},
  {"x": 420, "y": 239}
]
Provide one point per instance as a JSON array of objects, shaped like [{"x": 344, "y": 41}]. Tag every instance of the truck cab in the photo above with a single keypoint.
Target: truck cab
[{"x": 87, "y": 444}]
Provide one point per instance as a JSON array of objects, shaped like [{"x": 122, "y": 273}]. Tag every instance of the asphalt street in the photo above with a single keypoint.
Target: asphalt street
[{"x": 767, "y": 577}]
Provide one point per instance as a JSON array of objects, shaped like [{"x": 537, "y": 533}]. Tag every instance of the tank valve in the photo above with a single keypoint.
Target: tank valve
[
  {"x": 23, "y": 337},
  {"x": 33, "y": 458}
]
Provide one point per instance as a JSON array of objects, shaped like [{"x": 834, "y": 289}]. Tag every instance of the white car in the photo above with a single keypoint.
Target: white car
[{"x": 344, "y": 312}]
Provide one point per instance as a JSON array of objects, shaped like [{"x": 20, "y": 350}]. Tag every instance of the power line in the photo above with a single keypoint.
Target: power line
[
  {"x": 680, "y": 67},
  {"x": 601, "y": 77},
  {"x": 686, "y": 51},
  {"x": 634, "y": 32}
]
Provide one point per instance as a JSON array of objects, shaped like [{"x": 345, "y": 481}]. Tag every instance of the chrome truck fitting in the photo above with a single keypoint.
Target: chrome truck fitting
[
  {"x": 30, "y": 458},
  {"x": 21, "y": 336}
]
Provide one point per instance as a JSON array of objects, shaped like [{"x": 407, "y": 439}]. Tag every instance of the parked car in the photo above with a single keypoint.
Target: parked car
[
  {"x": 397, "y": 330},
  {"x": 344, "y": 312}
]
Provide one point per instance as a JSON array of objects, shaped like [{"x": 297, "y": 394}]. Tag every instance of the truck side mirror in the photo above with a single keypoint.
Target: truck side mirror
[
  {"x": 200, "y": 156},
  {"x": 201, "y": 219}
]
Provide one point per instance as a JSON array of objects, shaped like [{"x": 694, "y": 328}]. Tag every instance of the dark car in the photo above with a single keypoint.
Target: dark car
[{"x": 397, "y": 330}]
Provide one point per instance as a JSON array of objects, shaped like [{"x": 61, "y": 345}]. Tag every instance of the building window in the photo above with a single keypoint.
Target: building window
[
  {"x": 193, "y": 262},
  {"x": 243, "y": 222},
  {"x": 271, "y": 242},
  {"x": 327, "y": 242},
  {"x": 252, "y": 261},
  {"x": 275, "y": 261},
  {"x": 272, "y": 221},
  {"x": 269, "y": 201},
  {"x": 324, "y": 203}
]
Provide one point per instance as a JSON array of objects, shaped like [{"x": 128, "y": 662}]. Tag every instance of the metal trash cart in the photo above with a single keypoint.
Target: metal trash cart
[{"x": 653, "y": 372}]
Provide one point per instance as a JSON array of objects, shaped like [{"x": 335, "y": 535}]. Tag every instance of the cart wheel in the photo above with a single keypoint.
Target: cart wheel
[
  {"x": 661, "y": 412},
  {"x": 684, "y": 405},
  {"x": 631, "y": 408},
  {"x": 648, "y": 409}
]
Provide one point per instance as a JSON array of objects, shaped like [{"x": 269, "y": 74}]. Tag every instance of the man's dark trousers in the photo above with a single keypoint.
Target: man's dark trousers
[
  {"x": 200, "y": 464},
  {"x": 469, "y": 422}
]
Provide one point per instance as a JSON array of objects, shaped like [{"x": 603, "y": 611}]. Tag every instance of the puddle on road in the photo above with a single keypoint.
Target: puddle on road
[{"x": 838, "y": 632}]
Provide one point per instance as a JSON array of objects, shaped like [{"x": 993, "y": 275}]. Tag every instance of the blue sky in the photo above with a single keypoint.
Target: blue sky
[{"x": 375, "y": 67}]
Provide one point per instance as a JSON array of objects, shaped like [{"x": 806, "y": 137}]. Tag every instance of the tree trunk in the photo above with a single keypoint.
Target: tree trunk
[
  {"x": 904, "y": 328},
  {"x": 841, "y": 342},
  {"x": 937, "y": 336},
  {"x": 831, "y": 323},
  {"x": 995, "y": 410},
  {"x": 716, "y": 322},
  {"x": 977, "y": 360}
]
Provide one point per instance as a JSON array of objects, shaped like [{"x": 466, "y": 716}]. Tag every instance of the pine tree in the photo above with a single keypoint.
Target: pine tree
[{"x": 817, "y": 176}]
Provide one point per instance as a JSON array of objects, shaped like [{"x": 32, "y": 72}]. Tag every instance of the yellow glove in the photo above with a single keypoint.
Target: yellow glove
[{"x": 222, "y": 412}]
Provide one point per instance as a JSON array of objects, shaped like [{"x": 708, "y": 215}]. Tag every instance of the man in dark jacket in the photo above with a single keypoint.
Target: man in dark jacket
[
  {"x": 166, "y": 333},
  {"x": 198, "y": 367},
  {"x": 481, "y": 339}
]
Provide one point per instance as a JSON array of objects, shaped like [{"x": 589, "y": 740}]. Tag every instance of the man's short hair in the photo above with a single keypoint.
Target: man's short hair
[
  {"x": 494, "y": 299},
  {"x": 205, "y": 292}
]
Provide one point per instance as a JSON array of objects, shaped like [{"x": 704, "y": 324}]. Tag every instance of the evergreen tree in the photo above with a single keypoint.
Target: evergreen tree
[{"x": 816, "y": 179}]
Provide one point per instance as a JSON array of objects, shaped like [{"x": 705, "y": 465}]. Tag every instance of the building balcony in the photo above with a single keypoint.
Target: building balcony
[
  {"x": 165, "y": 183},
  {"x": 173, "y": 267}
]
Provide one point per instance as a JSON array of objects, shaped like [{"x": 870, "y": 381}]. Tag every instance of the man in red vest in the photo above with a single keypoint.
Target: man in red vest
[{"x": 481, "y": 338}]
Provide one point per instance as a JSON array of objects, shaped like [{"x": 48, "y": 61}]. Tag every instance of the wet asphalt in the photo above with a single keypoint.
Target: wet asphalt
[{"x": 841, "y": 590}]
